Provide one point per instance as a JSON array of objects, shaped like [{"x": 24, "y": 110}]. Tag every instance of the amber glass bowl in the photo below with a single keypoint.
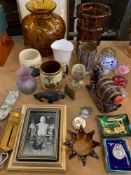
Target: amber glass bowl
[{"x": 40, "y": 6}]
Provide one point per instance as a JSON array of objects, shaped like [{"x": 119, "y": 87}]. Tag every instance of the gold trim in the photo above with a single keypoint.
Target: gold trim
[
  {"x": 106, "y": 91},
  {"x": 103, "y": 84},
  {"x": 51, "y": 74},
  {"x": 8, "y": 139},
  {"x": 102, "y": 80},
  {"x": 58, "y": 166}
]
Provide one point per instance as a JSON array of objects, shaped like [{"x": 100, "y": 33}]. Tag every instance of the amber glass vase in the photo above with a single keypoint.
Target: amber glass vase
[
  {"x": 42, "y": 27},
  {"x": 92, "y": 19}
]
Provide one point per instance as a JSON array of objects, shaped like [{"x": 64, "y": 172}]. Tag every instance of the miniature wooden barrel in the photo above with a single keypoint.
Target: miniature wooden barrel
[
  {"x": 104, "y": 82},
  {"x": 109, "y": 91}
]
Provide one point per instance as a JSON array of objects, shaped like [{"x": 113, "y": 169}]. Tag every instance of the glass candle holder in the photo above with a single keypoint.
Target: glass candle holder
[
  {"x": 119, "y": 80},
  {"x": 86, "y": 53},
  {"x": 78, "y": 73}
]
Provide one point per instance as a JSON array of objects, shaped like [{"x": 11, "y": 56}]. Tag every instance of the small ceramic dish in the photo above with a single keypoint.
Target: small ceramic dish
[{"x": 114, "y": 125}]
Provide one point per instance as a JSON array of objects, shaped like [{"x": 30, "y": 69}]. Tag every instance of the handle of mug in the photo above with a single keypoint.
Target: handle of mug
[{"x": 64, "y": 69}]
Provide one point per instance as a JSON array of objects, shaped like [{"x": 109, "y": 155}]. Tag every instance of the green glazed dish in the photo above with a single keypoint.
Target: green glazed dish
[{"x": 114, "y": 125}]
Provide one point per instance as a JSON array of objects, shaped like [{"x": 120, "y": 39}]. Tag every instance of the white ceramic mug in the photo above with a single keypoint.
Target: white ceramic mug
[
  {"x": 30, "y": 57},
  {"x": 62, "y": 50}
]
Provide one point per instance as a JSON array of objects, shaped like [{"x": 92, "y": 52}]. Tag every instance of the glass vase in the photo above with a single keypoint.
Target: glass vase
[
  {"x": 92, "y": 19},
  {"x": 42, "y": 27}
]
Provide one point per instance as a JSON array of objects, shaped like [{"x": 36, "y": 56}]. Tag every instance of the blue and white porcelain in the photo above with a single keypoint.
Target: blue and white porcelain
[{"x": 107, "y": 62}]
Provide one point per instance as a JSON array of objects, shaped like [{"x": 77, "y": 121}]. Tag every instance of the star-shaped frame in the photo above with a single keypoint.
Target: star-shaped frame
[{"x": 82, "y": 145}]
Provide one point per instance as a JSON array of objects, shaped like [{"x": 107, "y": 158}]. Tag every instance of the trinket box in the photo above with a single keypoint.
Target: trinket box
[
  {"x": 117, "y": 156},
  {"x": 114, "y": 125}
]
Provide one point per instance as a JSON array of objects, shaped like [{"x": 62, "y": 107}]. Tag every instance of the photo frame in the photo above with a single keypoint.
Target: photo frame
[{"x": 39, "y": 145}]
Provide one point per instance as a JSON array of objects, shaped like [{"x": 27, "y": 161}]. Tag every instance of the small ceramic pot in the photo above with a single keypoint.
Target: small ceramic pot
[
  {"x": 51, "y": 75},
  {"x": 30, "y": 57}
]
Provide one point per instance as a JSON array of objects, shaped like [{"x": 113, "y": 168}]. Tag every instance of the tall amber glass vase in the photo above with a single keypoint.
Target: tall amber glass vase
[
  {"x": 42, "y": 27},
  {"x": 92, "y": 19}
]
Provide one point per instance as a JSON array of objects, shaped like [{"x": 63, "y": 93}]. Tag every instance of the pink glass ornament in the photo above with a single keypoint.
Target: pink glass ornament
[
  {"x": 122, "y": 69},
  {"x": 120, "y": 80}
]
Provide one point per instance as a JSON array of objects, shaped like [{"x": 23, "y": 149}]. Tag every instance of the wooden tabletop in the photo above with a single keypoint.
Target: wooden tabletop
[{"x": 74, "y": 166}]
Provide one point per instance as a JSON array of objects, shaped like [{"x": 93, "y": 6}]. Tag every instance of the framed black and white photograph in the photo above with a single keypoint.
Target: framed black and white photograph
[
  {"x": 39, "y": 144},
  {"x": 39, "y": 139}
]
